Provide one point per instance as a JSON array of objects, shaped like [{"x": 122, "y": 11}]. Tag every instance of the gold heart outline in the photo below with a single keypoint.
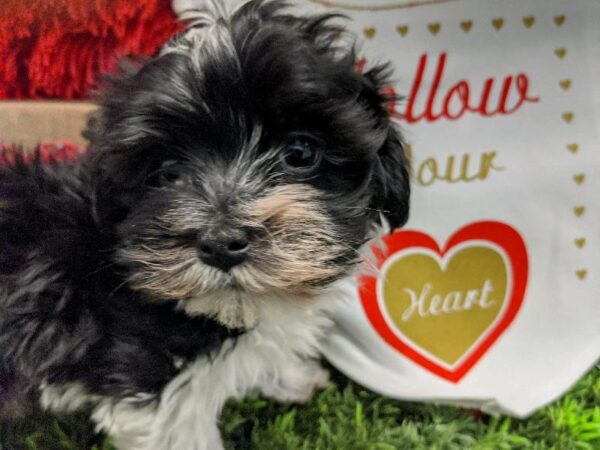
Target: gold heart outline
[
  {"x": 434, "y": 28},
  {"x": 579, "y": 178},
  {"x": 560, "y": 52},
  {"x": 565, "y": 84},
  {"x": 369, "y": 32},
  {"x": 528, "y": 21},
  {"x": 573, "y": 148},
  {"x": 581, "y": 274},
  {"x": 402, "y": 30},
  {"x": 559, "y": 20}
]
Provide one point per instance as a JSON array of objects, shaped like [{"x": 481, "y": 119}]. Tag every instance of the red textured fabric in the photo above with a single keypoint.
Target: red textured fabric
[
  {"x": 61, "y": 48},
  {"x": 47, "y": 151}
]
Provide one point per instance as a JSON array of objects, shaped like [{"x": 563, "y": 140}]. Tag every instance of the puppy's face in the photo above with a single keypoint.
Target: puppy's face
[{"x": 246, "y": 162}]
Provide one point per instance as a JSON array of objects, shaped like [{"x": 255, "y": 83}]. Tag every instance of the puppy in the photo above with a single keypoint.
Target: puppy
[{"x": 232, "y": 185}]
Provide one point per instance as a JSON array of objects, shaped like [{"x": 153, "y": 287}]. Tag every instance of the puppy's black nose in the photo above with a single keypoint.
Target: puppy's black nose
[{"x": 223, "y": 248}]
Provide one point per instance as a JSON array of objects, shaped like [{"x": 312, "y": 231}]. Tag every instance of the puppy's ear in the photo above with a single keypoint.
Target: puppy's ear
[
  {"x": 118, "y": 173},
  {"x": 391, "y": 179},
  {"x": 117, "y": 184}
]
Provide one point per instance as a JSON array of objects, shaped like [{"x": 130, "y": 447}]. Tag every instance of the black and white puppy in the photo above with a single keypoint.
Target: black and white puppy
[{"x": 231, "y": 187}]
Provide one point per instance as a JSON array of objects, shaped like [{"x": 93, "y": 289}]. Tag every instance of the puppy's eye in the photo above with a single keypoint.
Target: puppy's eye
[
  {"x": 168, "y": 172},
  {"x": 300, "y": 155}
]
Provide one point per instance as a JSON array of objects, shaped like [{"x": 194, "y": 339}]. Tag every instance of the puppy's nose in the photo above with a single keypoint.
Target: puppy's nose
[{"x": 223, "y": 248}]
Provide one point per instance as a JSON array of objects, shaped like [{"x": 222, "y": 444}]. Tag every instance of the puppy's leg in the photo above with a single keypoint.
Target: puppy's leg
[
  {"x": 149, "y": 428},
  {"x": 183, "y": 417},
  {"x": 295, "y": 382}
]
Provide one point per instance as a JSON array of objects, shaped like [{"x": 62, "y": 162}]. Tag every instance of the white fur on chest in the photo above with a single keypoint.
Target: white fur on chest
[{"x": 277, "y": 357}]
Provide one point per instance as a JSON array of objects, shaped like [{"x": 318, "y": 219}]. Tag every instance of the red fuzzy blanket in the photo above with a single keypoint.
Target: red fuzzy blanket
[{"x": 61, "y": 48}]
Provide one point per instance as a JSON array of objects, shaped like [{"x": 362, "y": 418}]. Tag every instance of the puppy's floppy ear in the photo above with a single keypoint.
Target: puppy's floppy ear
[
  {"x": 391, "y": 179},
  {"x": 117, "y": 182},
  {"x": 117, "y": 166}
]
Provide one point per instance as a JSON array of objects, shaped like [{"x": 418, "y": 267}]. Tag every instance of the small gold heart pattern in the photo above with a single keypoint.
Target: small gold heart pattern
[
  {"x": 528, "y": 21},
  {"x": 497, "y": 23},
  {"x": 402, "y": 30},
  {"x": 369, "y": 32},
  {"x": 466, "y": 25},
  {"x": 581, "y": 274},
  {"x": 579, "y": 178},
  {"x": 580, "y": 242},
  {"x": 560, "y": 52},
  {"x": 559, "y": 20},
  {"x": 573, "y": 148},
  {"x": 579, "y": 211},
  {"x": 434, "y": 28},
  {"x": 565, "y": 84},
  {"x": 568, "y": 116}
]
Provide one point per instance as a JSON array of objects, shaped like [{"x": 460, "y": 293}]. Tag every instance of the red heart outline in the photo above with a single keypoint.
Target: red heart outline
[{"x": 501, "y": 234}]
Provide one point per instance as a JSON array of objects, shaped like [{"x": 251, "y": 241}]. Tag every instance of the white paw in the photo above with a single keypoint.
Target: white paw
[{"x": 297, "y": 385}]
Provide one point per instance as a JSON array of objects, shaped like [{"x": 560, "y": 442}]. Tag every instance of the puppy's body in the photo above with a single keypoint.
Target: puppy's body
[
  {"x": 190, "y": 256},
  {"x": 276, "y": 358}
]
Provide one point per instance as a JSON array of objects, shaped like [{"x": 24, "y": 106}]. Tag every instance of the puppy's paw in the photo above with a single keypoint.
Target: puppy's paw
[{"x": 297, "y": 384}]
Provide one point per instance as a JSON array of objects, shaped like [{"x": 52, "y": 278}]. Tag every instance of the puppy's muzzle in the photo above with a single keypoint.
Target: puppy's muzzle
[{"x": 223, "y": 247}]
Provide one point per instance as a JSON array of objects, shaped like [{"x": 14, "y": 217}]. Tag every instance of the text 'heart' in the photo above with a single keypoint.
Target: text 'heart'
[{"x": 445, "y": 308}]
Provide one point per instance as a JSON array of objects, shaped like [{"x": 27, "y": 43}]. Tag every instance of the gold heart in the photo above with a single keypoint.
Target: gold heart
[
  {"x": 466, "y": 25},
  {"x": 568, "y": 116},
  {"x": 402, "y": 29},
  {"x": 498, "y": 22},
  {"x": 528, "y": 21},
  {"x": 579, "y": 178},
  {"x": 565, "y": 84},
  {"x": 445, "y": 311},
  {"x": 579, "y": 211},
  {"x": 434, "y": 28},
  {"x": 573, "y": 148},
  {"x": 581, "y": 274},
  {"x": 369, "y": 32},
  {"x": 580, "y": 242},
  {"x": 559, "y": 20},
  {"x": 560, "y": 52}
]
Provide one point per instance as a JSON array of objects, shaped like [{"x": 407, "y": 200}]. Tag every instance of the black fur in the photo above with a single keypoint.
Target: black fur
[{"x": 68, "y": 312}]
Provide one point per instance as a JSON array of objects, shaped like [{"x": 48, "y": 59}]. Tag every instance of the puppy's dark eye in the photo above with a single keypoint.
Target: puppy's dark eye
[
  {"x": 300, "y": 155},
  {"x": 168, "y": 172}
]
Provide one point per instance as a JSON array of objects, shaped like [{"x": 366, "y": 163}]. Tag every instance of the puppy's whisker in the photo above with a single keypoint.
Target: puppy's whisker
[
  {"x": 100, "y": 269},
  {"x": 119, "y": 286},
  {"x": 382, "y": 211}
]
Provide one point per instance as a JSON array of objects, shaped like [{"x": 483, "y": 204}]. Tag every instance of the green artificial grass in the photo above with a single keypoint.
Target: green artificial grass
[{"x": 348, "y": 417}]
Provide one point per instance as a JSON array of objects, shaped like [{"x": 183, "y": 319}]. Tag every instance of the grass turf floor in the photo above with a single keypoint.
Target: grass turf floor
[{"x": 347, "y": 417}]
